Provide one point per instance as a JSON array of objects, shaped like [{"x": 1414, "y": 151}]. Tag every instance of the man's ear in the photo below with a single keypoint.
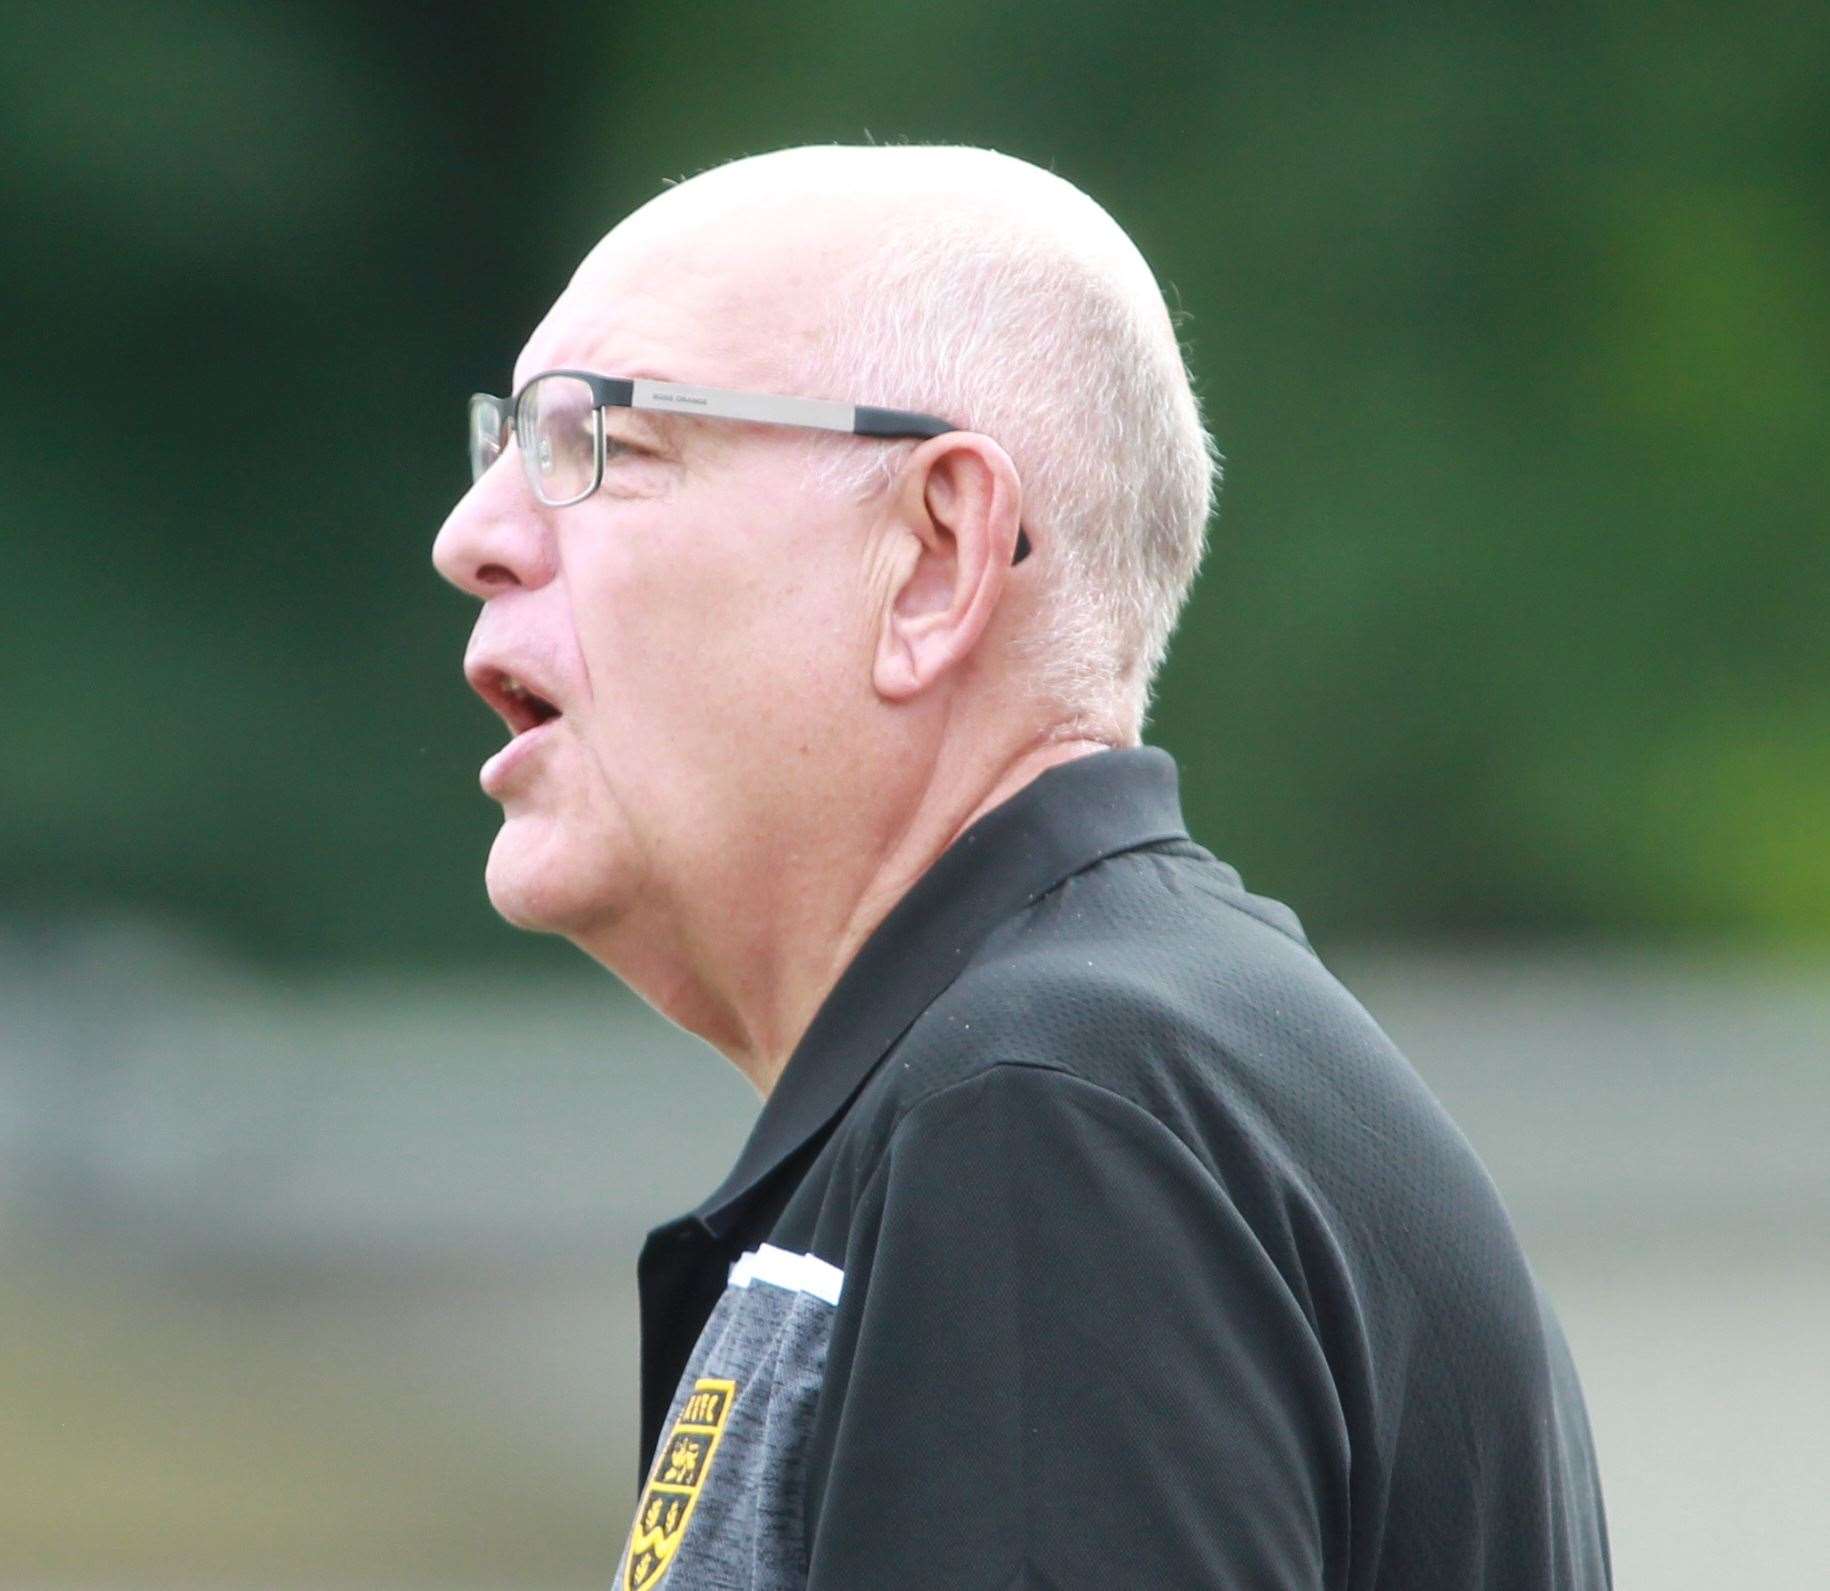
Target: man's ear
[{"x": 955, "y": 513}]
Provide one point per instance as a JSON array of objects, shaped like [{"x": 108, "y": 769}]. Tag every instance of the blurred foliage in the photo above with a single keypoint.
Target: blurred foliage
[{"x": 1511, "y": 322}]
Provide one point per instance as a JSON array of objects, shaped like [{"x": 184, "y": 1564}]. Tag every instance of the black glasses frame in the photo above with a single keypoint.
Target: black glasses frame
[{"x": 495, "y": 417}]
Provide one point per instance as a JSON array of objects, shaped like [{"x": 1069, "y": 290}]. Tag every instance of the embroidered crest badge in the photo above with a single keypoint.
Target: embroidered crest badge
[{"x": 680, "y": 1468}]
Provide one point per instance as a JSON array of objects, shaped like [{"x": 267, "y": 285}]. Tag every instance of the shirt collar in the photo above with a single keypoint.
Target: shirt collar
[{"x": 1064, "y": 820}]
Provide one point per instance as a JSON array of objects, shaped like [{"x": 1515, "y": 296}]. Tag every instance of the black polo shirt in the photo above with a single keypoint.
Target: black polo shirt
[{"x": 1095, "y": 1235}]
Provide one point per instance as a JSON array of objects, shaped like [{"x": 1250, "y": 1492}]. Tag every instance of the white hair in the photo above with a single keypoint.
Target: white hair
[{"x": 1053, "y": 340}]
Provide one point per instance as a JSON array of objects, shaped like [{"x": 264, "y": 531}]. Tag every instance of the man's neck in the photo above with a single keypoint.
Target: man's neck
[{"x": 748, "y": 977}]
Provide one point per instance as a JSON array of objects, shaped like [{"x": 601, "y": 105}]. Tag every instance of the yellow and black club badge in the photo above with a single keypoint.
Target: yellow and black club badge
[{"x": 680, "y": 1468}]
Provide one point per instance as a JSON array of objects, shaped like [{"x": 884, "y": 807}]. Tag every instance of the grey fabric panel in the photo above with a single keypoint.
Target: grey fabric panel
[{"x": 745, "y": 1532}]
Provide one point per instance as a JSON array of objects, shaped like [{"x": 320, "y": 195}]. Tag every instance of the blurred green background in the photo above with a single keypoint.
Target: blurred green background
[
  {"x": 320, "y": 1189},
  {"x": 1511, "y": 326}
]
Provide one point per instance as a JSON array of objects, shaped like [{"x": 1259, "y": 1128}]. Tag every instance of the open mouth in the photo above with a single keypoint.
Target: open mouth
[{"x": 520, "y": 707}]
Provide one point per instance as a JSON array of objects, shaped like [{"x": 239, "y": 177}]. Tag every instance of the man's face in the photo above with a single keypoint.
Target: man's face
[{"x": 697, "y": 622}]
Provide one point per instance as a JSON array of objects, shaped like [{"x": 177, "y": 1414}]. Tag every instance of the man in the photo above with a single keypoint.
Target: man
[{"x": 1090, "y": 1233}]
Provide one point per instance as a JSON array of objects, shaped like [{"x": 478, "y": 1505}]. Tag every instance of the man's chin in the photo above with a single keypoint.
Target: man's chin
[{"x": 539, "y": 887}]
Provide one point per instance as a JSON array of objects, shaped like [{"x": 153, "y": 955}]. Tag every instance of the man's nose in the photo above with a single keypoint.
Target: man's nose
[{"x": 495, "y": 538}]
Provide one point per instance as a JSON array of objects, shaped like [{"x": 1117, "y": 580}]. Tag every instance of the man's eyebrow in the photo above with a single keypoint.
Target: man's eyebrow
[
  {"x": 655, "y": 425},
  {"x": 659, "y": 426},
  {"x": 663, "y": 428}
]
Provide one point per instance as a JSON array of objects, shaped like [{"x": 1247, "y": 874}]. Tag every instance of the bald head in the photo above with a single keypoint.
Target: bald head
[
  {"x": 838, "y": 201},
  {"x": 972, "y": 285}
]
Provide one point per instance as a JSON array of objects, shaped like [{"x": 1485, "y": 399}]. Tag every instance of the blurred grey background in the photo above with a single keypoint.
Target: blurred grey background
[{"x": 320, "y": 1190}]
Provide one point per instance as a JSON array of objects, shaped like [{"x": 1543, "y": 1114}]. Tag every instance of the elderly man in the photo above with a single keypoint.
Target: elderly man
[{"x": 1090, "y": 1233}]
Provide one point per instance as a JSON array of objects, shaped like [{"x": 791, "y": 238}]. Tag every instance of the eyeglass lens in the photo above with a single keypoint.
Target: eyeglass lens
[
  {"x": 556, "y": 424},
  {"x": 488, "y": 432},
  {"x": 557, "y": 427}
]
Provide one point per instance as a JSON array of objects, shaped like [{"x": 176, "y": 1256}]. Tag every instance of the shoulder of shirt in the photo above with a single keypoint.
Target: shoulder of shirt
[{"x": 1152, "y": 975}]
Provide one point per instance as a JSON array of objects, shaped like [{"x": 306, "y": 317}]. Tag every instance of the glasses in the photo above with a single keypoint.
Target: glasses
[{"x": 558, "y": 418}]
